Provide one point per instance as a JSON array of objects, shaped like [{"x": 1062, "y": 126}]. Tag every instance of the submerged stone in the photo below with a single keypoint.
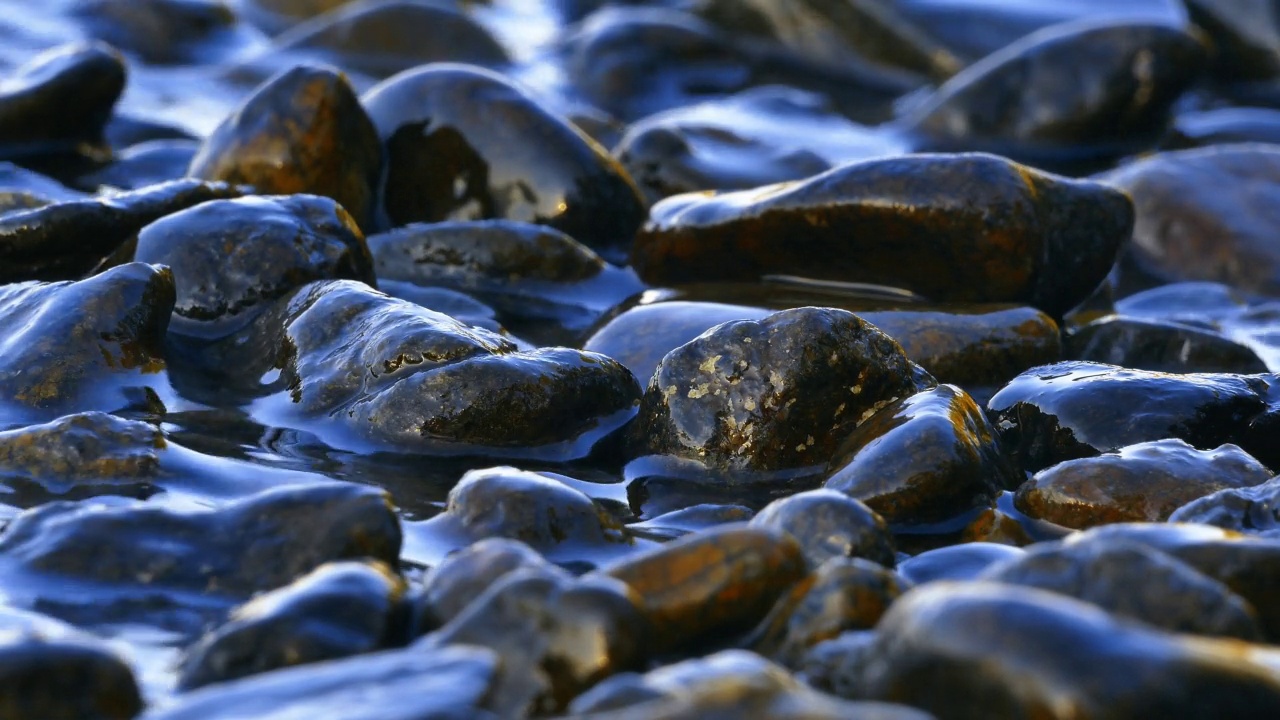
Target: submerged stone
[
  {"x": 1140, "y": 482},
  {"x": 89, "y": 345},
  {"x": 969, "y": 228},
  {"x": 444, "y": 682},
  {"x": 52, "y": 671},
  {"x": 60, "y": 100},
  {"x": 1254, "y": 510}
]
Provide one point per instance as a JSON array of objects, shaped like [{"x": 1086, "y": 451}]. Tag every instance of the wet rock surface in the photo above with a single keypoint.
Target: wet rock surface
[
  {"x": 1140, "y": 482},
  {"x": 598, "y": 358},
  {"x": 774, "y": 394},
  {"x": 1052, "y": 413},
  {"x": 992, "y": 237},
  {"x": 927, "y": 457},
  {"x": 304, "y": 131},
  {"x": 1051, "y": 650},
  {"x": 464, "y": 143}
]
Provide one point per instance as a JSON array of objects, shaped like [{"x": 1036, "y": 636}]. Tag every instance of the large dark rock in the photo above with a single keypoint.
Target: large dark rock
[
  {"x": 1253, "y": 510},
  {"x": 60, "y": 100},
  {"x": 387, "y": 373},
  {"x": 927, "y": 457},
  {"x": 1194, "y": 222},
  {"x": 337, "y": 610},
  {"x": 970, "y": 227},
  {"x": 983, "y": 651},
  {"x": 175, "y": 568},
  {"x": 52, "y": 671},
  {"x": 636, "y": 61},
  {"x": 773, "y": 394},
  {"x": 67, "y": 240},
  {"x": 89, "y": 345},
  {"x": 1069, "y": 94},
  {"x": 463, "y": 143},
  {"x": 1144, "y": 482},
  {"x": 1161, "y": 347},
  {"x": 304, "y": 131},
  {"x": 232, "y": 258},
  {"x": 1075, "y": 410},
  {"x": 1172, "y": 595}
]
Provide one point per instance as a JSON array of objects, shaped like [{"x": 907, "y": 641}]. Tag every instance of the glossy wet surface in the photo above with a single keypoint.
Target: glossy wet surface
[{"x": 435, "y": 358}]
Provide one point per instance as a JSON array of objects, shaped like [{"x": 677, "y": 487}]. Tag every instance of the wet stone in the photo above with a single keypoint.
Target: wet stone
[
  {"x": 89, "y": 345},
  {"x": 380, "y": 38},
  {"x": 51, "y": 670},
  {"x": 1171, "y": 595},
  {"x": 757, "y": 137},
  {"x": 986, "y": 652},
  {"x": 1071, "y": 94},
  {"x": 530, "y": 274},
  {"x": 1073, "y": 410},
  {"x": 275, "y": 16},
  {"x": 956, "y": 562},
  {"x": 715, "y": 582},
  {"x": 337, "y": 610},
  {"x": 1248, "y": 564},
  {"x": 725, "y": 685},
  {"x": 969, "y": 228},
  {"x": 978, "y": 347},
  {"x": 925, "y": 458},
  {"x": 445, "y": 682},
  {"x": 464, "y": 143},
  {"x": 1254, "y": 510},
  {"x": 841, "y": 594},
  {"x": 396, "y": 375},
  {"x": 172, "y": 567},
  {"x": 997, "y": 526},
  {"x": 304, "y": 131},
  {"x": 504, "y": 502},
  {"x": 1246, "y": 37},
  {"x": 149, "y": 163},
  {"x": 232, "y": 258},
  {"x": 773, "y": 394},
  {"x": 636, "y": 61},
  {"x": 836, "y": 33},
  {"x": 556, "y": 636},
  {"x": 79, "y": 456},
  {"x": 828, "y": 524},
  {"x": 689, "y": 520},
  {"x": 14, "y": 178},
  {"x": 1160, "y": 347},
  {"x": 66, "y": 240},
  {"x": 1140, "y": 482},
  {"x": 464, "y": 575},
  {"x": 165, "y": 31},
  {"x": 1193, "y": 224},
  {"x": 59, "y": 100}
]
